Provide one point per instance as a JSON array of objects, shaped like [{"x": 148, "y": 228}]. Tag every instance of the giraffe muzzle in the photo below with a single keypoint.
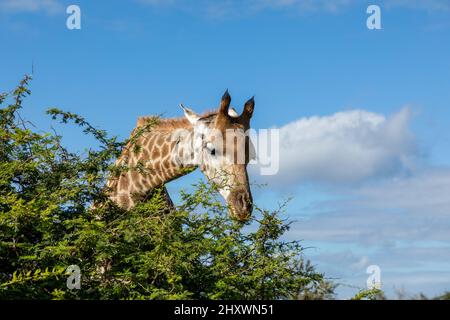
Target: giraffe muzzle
[{"x": 241, "y": 204}]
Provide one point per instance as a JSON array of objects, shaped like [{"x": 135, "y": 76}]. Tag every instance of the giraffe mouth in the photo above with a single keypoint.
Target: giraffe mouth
[
  {"x": 240, "y": 218},
  {"x": 240, "y": 205}
]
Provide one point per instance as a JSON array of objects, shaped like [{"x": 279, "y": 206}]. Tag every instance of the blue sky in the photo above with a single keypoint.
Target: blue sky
[{"x": 363, "y": 113}]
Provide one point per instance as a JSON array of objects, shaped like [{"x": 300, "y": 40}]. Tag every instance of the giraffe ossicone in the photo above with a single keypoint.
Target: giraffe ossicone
[{"x": 216, "y": 142}]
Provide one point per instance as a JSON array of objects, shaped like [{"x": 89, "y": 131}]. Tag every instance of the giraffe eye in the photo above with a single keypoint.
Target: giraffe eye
[{"x": 210, "y": 147}]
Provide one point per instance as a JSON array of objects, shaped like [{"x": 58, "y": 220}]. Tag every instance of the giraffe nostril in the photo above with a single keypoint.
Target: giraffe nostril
[{"x": 245, "y": 203}]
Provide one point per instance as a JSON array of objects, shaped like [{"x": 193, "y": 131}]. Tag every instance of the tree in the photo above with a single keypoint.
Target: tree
[{"x": 193, "y": 252}]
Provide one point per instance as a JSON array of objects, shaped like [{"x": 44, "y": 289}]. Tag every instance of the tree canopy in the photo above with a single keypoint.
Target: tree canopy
[{"x": 193, "y": 252}]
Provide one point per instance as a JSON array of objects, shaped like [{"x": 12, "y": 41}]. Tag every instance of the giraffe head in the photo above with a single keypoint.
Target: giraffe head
[{"x": 222, "y": 149}]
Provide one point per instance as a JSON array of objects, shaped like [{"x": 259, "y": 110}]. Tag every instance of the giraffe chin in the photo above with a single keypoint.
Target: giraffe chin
[
  {"x": 240, "y": 213},
  {"x": 240, "y": 204}
]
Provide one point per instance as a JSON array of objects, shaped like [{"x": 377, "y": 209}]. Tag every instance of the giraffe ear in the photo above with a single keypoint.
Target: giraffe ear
[
  {"x": 190, "y": 115},
  {"x": 248, "y": 109},
  {"x": 225, "y": 104}
]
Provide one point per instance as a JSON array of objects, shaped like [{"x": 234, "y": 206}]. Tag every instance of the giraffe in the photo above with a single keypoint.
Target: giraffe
[{"x": 175, "y": 147}]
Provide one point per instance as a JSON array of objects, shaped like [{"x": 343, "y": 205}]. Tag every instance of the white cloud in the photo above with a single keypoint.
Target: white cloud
[
  {"x": 47, "y": 6},
  {"x": 412, "y": 268},
  {"x": 406, "y": 278},
  {"x": 420, "y": 4},
  {"x": 415, "y": 208},
  {"x": 338, "y": 5},
  {"x": 232, "y": 8},
  {"x": 227, "y": 8},
  {"x": 401, "y": 224},
  {"x": 346, "y": 147},
  {"x": 304, "y": 5}
]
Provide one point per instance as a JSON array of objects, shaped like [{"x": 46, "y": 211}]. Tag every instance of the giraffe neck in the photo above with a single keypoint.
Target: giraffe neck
[{"x": 158, "y": 161}]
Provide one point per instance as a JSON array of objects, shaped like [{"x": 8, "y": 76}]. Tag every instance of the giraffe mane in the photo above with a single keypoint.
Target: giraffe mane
[{"x": 173, "y": 123}]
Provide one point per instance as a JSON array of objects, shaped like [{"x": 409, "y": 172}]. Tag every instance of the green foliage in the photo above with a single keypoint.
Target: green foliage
[
  {"x": 402, "y": 295},
  {"x": 370, "y": 294},
  {"x": 444, "y": 296},
  {"x": 193, "y": 252}
]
